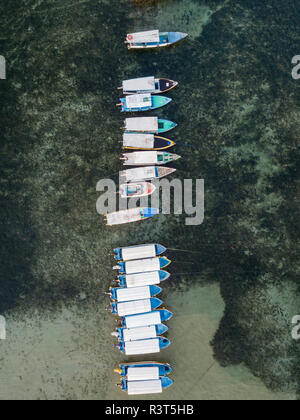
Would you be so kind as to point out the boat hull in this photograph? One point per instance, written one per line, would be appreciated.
(157, 102)
(164, 368)
(165, 85)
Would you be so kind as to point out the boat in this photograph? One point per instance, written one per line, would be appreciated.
(149, 318)
(147, 85)
(153, 39)
(121, 294)
(140, 279)
(145, 142)
(142, 265)
(152, 125)
(148, 158)
(140, 333)
(130, 215)
(136, 252)
(135, 307)
(142, 102)
(155, 386)
(138, 371)
(139, 189)
(149, 346)
(145, 173)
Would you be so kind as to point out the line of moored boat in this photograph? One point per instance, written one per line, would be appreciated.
(141, 329)
(142, 135)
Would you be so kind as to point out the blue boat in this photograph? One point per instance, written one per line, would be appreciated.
(142, 102)
(135, 307)
(140, 333)
(152, 125)
(153, 39)
(155, 386)
(124, 369)
(149, 346)
(121, 294)
(136, 252)
(141, 279)
(149, 318)
(143, 265)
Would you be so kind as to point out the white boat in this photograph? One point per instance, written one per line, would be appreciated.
(135, 307)
(146, 141)
(136, 252)
(125, 294)
(145, 173)
(130, 215)
(148, 125)
(147, 85)
(142, 265)
(153, 39)
(149, 346)
(140, 333)
(149, 318)
(139, 189)
(155, 386)
(140, 279)
(148, 158)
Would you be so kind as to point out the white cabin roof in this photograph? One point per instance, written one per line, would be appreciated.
(134, 307)
(138, 140)
(123, 216)
(133, 280)
(142, 124)
(138, 101)
(140, 333)
(145, 36)
(135, 293)
(138, 252)
(139, 174)
(144, 387)
(140, 158)
(142, 266)
(140, 84)
(143, 373)
(142, 347)
(152, 318)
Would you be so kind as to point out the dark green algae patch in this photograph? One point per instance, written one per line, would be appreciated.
(237, 107)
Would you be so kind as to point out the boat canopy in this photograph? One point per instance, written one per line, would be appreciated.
(139, 101)
(142, 124)
(151, 318)
(135, 307)
(139, 174)
(144, 387)
(141, 158)
(142, 83)
(141, 266)
(138, 252)
(140, 333)
(133, 280)
(144, 37)
(141, 141)
(142, 347)
(135, 293)
(142, 373)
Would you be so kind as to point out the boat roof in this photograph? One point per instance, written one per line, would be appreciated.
(136, 293)
(138, 140)
(141, 124)
(140, 333)
(137, 174)
(144, 387)
(134, 307)
(139, 266)
(138, 101)
(150, 278)
(151, 318)
(140, 158)
(142, 347)
(145, 36)
(141, 83)
(143, 373)
(138, 251)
